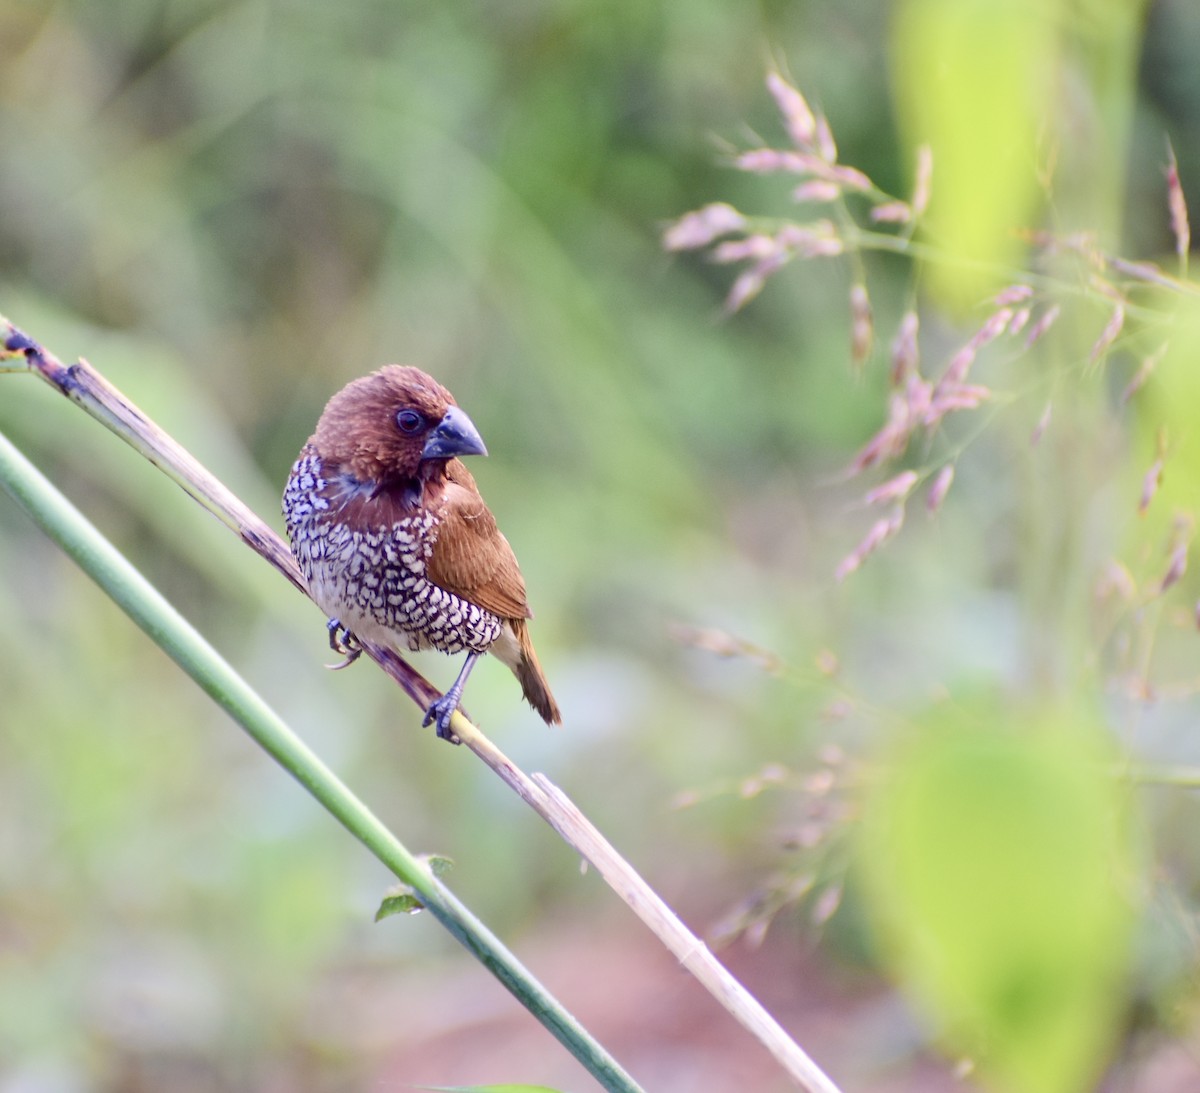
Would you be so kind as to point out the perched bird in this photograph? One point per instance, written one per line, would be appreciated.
(395, 541)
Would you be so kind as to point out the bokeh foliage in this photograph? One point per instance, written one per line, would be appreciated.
(233, 208)
(1005, 883)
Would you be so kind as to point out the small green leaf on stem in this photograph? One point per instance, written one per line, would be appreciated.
(403, 899)
(400, 899)
(439, 864)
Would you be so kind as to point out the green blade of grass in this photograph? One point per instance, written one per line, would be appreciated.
(180, 641)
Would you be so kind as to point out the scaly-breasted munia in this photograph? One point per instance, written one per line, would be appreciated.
(395, 541)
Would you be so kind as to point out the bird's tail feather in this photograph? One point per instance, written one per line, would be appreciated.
(529, 674)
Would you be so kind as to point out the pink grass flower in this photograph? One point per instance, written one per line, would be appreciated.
(878, 534)
(797, 115)
(940, 487)
(749, 283)
(698, 229)
(886, 444)
(825, 248)
(958, 396)
(904, 348)
(917, 405)
(765, 161)
(745, 287)
(1151, 480)
(818, 239)
(892, 212)
(1145, 370)
(850, 177)
(1139, 271)
(1180, 544)
(1109, 334)
(755, 247)
(862, 328)
(1176, 568)
(1044, 322)
(1116, 580)
(959, 366)
(1177, 205)
(1014, 294)
(817, 190)
(826, 146)
(826, 905)
(1019, 320)
(1043, 423)
(924, 181)
(995, 325)
(906, 409)
(894, 489)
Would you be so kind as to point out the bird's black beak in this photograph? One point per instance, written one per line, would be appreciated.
(453, 435)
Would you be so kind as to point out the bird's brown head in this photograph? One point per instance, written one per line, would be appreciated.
(395, 424)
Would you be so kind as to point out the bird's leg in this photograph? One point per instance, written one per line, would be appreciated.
(342, 641)
(443, 708)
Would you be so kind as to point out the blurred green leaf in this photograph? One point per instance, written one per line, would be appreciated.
(999, 862)
(974, 82)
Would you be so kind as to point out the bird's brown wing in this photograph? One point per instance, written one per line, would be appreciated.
(471, 558)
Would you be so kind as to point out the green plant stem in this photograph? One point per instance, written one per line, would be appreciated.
(168, 629)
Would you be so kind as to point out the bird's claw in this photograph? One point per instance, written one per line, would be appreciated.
(440, 711)
(342, 641)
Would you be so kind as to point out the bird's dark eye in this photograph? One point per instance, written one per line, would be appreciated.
(410, 421)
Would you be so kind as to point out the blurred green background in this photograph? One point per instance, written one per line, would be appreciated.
(232, 209)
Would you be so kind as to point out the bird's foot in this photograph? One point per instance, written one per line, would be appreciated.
(440, 712)
(342, 641)
(442, 709)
